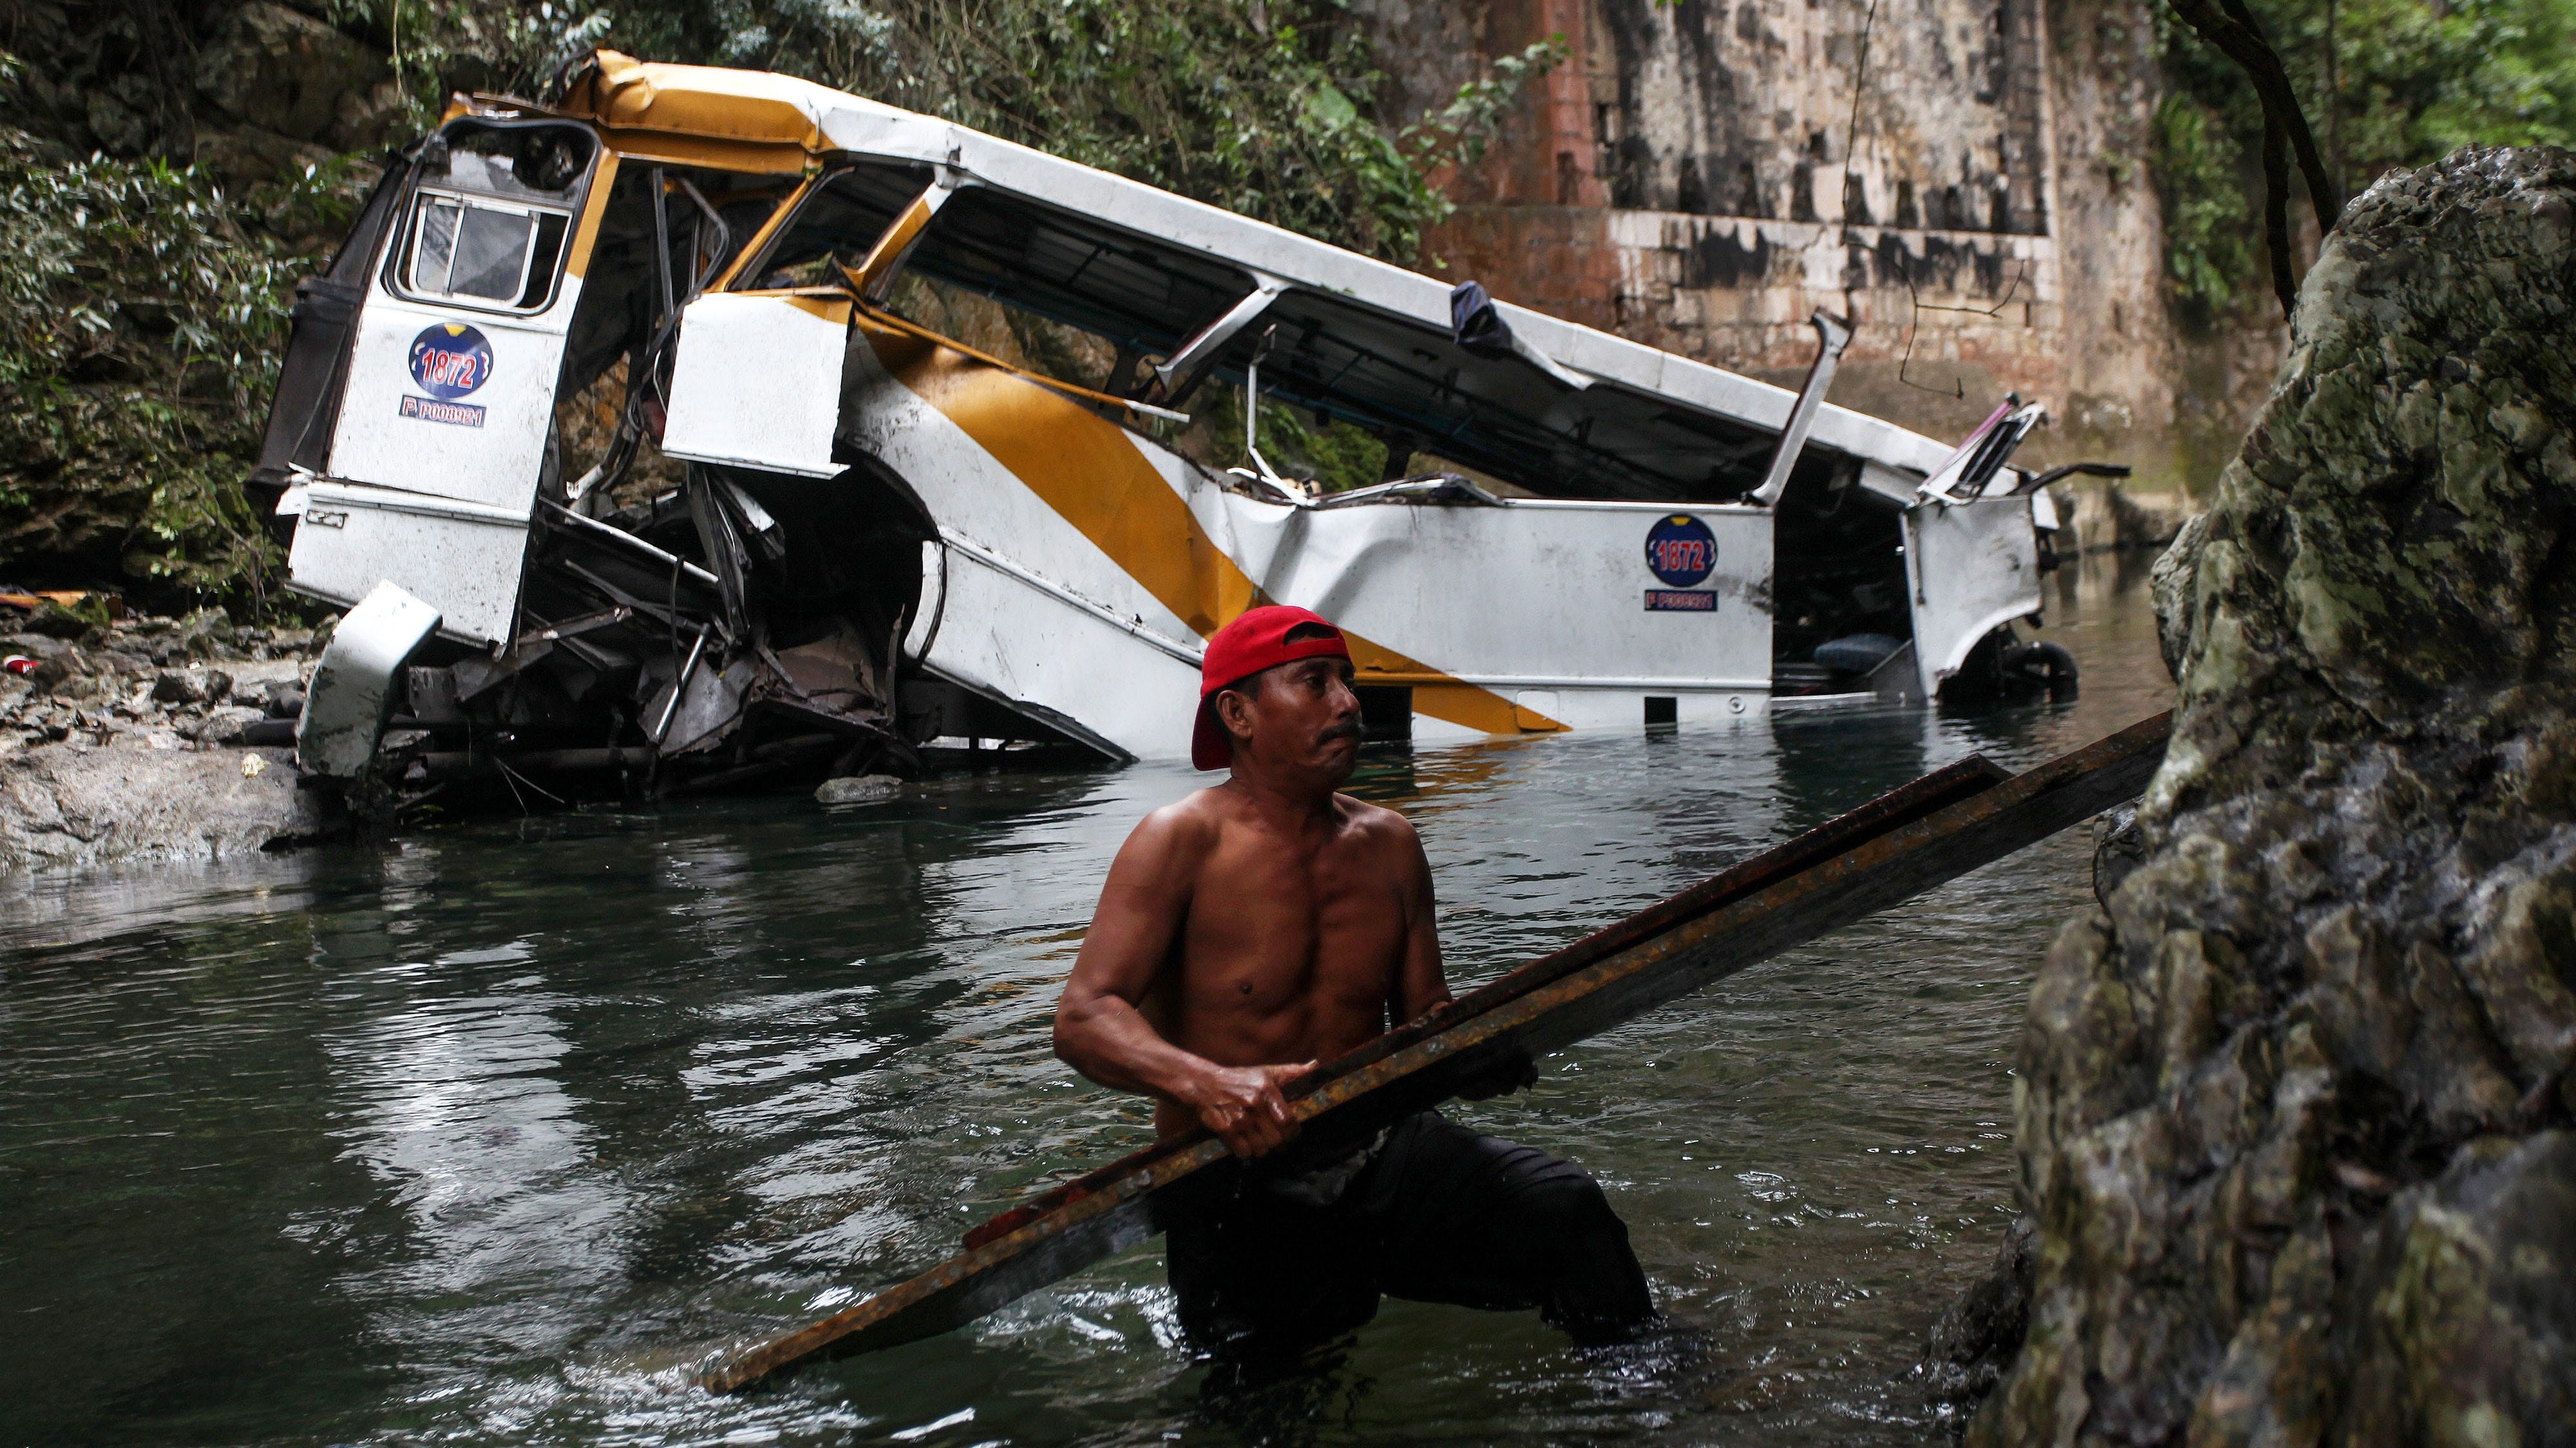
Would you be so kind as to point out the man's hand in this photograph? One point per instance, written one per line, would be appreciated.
(1512, 1073)
(1244, 1107)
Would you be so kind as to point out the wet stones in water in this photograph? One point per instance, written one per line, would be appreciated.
(859, 789)
(2294, 1108)
(1972, 1344)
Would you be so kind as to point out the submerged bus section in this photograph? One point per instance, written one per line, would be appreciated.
(709, 425)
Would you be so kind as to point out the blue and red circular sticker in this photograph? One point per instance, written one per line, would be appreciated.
(1680, 550)
(450, 359)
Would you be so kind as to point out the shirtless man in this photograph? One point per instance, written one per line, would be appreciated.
(1269, 923)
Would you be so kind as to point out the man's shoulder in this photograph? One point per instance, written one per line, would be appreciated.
(1196, 815)
(1373, 821)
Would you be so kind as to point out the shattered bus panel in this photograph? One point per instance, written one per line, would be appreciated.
(732, 426)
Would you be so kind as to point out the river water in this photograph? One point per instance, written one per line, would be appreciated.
(492, 1134)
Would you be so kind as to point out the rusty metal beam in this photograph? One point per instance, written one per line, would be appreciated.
(1900, 806)
(1894, 848)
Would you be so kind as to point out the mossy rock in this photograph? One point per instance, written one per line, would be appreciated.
(2295, 1111)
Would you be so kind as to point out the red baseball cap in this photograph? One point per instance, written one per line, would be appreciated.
(1256, 640)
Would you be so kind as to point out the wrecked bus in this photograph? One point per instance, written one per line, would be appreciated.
(710, 424)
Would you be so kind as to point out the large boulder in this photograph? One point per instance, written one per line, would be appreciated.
(248, 156)
(2294, 1113)
(283, 72)
(67, 805)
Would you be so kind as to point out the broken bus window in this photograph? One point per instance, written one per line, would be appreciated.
(494, 206)
(836, 226)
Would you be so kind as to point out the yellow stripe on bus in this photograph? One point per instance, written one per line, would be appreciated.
(1087, 469)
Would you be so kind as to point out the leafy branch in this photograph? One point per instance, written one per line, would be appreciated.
(2229, 26)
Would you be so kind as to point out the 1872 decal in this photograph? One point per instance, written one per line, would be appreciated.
(1680, 550)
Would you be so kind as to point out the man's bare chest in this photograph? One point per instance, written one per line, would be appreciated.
(1295, 931)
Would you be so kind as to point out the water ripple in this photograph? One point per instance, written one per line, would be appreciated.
(491, 1135)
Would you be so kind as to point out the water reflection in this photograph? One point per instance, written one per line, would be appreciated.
(490, 1135)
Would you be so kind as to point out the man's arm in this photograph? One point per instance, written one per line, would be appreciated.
(1420, 986)
(1100, 1028)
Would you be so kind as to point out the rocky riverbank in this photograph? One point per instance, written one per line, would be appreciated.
(152, 739)
(2294, 1107)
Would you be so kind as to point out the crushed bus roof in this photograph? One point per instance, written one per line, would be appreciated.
(1331, 292)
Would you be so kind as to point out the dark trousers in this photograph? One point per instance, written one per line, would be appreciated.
(1441, 1214)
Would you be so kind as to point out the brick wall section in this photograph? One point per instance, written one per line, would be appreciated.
(1738, 290)
(1986, 201)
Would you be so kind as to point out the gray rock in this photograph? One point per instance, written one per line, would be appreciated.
(79, 688)
(283, 72)
(224, 727)
(248, 155)
(207, 632)
(368, 119)
(859, 789)
(62, 805)
(2293, 1111)
(55, 621)
(173, 687)
(119, 128)
(2169, 584)
(1970, 1346)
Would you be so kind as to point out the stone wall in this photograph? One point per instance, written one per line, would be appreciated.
(1970, 187)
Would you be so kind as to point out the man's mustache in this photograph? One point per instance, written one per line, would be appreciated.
(1350, 730)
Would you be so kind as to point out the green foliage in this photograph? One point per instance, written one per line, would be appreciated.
(1457, 132)
(1343, 456)
(2414, 80)
(436, 46)
(1333, 455)
(2385, 83)
(139, 327)
(1261, 109)
(142, 307)
(2209, 237)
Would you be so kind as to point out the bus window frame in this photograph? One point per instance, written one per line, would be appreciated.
(402, 259)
